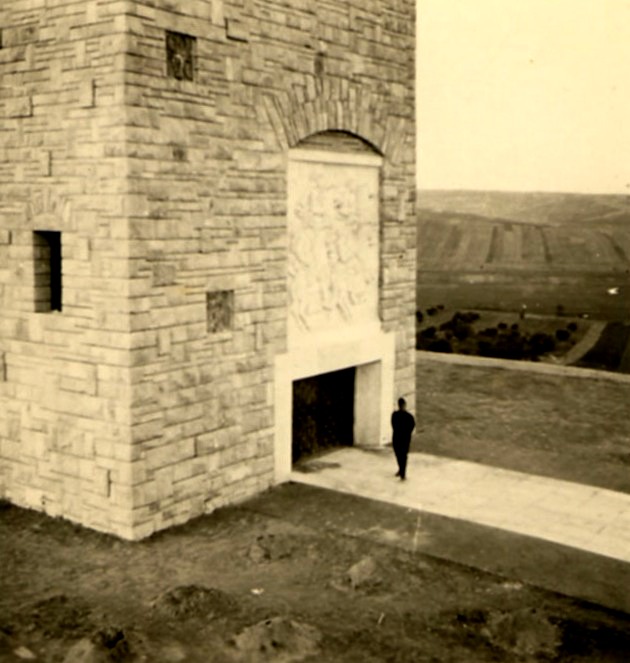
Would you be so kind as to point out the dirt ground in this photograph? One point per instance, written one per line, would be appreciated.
(301, 574)
(298, 574)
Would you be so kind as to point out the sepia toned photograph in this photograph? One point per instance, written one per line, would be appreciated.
(315, 331)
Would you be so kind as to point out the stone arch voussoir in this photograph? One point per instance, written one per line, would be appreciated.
(358, 112)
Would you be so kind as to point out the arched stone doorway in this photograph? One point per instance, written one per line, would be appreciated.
(334, 337)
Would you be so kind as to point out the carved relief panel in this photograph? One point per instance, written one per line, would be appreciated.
(333, 222)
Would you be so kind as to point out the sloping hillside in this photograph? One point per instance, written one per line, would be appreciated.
(500, 250)
(529, 207)
(451, 240)
(475, 230)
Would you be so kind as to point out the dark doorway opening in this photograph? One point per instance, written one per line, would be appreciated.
(323, 412)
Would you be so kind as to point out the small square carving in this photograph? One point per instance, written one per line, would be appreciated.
(220, 310)
(180, 56)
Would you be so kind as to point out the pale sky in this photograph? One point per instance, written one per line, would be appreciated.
(524, 95)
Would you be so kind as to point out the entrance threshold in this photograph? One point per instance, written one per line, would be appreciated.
(371, 355)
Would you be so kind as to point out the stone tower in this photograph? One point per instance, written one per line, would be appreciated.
(202, 203)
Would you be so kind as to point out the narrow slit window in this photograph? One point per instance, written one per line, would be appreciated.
(47, 266)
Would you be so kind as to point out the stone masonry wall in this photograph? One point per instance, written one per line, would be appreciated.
(153, 135)
(208, 135)
(64, 375)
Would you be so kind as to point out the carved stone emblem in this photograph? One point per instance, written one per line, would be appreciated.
(48, 210)
(220, 310)
(180, 54)
(333, 246)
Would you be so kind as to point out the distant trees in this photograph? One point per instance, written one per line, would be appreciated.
(562, 334)
(459, 335)
(440, 345)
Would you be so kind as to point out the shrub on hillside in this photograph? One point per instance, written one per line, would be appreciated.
(490, 332)
(419, 316)
(462, 332)
(562, 335)
(485, 348)
(504, 346)
(541, 343)
(440, 345)
(425, 338)
(466, 317)
(505, 341)
(510, 350)
(458, 326)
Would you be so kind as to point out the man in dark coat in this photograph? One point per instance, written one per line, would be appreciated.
(403, 424)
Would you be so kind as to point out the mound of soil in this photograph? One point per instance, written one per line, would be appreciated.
(277, 640)
(192, 601)
(103, 646)
(522, 634)
(271, 547)
(66, 629)
(59, 616)
(363, 576)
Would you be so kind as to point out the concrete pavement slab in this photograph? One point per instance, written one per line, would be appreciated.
(569, 514)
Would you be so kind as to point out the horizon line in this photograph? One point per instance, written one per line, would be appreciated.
(420, 189)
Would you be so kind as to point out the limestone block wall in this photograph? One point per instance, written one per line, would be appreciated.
(149, 139)
(64, 375)
(217, 94)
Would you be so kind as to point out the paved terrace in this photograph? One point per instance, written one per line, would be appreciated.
(591, 526)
